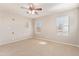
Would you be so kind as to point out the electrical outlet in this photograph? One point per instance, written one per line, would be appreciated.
(13, 38)
(13, 19)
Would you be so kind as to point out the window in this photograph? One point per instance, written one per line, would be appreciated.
(39, 25)
(63, 25)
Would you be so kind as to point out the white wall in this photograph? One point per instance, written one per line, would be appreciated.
(19, 27)
(49, 29)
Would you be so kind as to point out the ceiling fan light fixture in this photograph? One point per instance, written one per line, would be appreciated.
(32, 9)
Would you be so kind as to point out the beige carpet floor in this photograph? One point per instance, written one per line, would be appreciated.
(38, 47)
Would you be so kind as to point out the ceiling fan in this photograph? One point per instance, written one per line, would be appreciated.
(32, 9)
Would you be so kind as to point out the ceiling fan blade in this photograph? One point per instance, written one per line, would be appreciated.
(36, 13)
(23, 8)
(39, 9)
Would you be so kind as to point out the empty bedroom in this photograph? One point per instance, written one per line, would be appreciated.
(39, 29)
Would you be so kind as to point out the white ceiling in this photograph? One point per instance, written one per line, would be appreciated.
(48, 8)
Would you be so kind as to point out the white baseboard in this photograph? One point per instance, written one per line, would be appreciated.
(15, 40)
(42, 38)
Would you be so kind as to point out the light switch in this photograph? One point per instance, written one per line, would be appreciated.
(13, 33)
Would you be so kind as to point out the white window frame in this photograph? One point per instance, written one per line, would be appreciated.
(62, 23)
